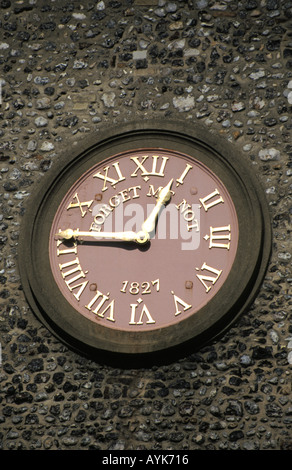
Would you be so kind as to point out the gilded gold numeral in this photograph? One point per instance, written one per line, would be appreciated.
(80, 274)
(144, 312)
(183, 304)
(216, 234)
(66, 251)
(212, 279)
(151, 172)
(81, 286)
(213, 202)
(109, 179)
(97, 309)
(136, 288)
(67, 265)
(79, 204)
(180, 180)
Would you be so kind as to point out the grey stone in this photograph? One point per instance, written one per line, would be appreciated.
(32, 145)
(43, 103)
(138, 55)
(237, 106)
(47, 146)
(41, 121)
(184, 104)
(269, 154)
(108, 99)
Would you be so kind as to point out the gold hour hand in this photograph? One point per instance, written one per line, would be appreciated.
(140, 237)
(164, 197)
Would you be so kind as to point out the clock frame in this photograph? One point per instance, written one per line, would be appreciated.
(251, 239)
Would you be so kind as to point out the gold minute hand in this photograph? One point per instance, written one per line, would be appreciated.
(164, 197)
(140, 237)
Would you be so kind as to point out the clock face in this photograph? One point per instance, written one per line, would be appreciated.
(191, 240)
(151, 239)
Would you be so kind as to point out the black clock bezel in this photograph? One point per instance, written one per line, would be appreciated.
(236, 294)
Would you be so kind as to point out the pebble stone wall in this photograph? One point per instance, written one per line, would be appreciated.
(68, 69)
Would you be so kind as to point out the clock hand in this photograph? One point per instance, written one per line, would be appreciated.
(164, 197)
(140, 237)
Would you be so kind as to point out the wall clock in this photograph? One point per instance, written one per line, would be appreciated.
(148, 239)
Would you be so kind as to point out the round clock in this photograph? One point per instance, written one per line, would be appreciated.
(148, 239)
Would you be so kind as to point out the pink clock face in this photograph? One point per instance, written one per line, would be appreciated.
(110, 278)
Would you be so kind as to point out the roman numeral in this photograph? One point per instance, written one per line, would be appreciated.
(107, 179)
(212, 279)
(97, 309)
(76, 268)
(153, 171)
(81, 286)
(67, 250)
(213, 202)
(180, 180)
(79, 204)
(177, 301)
(144, 311)
(216, 234)
(75, 263)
